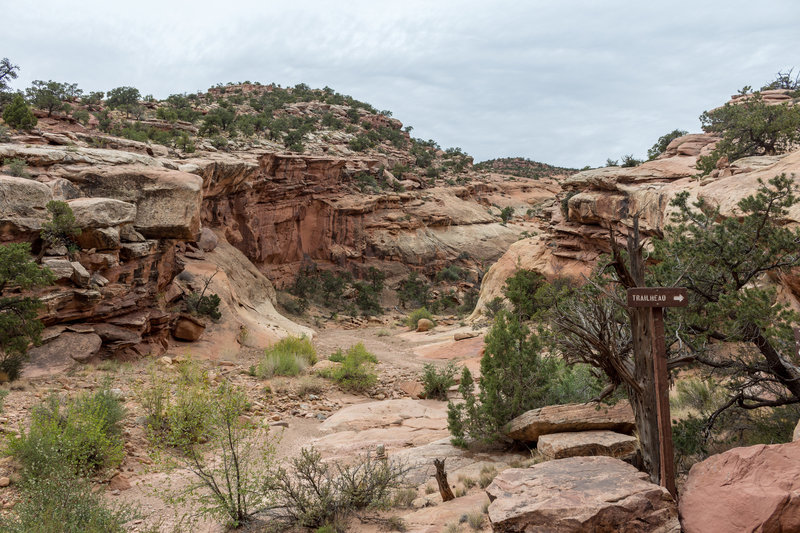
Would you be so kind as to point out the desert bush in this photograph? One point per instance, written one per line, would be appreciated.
(16, 167)
(403, 497)
(475, 520)
(450, 273)
(62, 228)
(486, 476)
(414, 290)
(18, 115)
(63, 503)
(437, 381)
(201, 304)
(506, 213)
(414, 317)
(661, 144)
(356, 372)
(82, 437)
(515, 378)
(314, 494)
(3, 394)
(231, 486)
(493, 306)
(288, 357)
(19, 322)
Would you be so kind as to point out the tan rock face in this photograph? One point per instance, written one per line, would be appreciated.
(167, 201)
(586, 443)
(756, 488)
(22, 207)
(580, 494)
(101, 212)
(530, 426)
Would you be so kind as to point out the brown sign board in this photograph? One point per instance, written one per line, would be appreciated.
(658, 297)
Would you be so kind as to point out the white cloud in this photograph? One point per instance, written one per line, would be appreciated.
(569, 82)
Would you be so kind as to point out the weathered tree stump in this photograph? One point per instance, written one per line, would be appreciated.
(441, 479)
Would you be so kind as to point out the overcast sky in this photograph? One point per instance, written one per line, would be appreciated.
(563, 82)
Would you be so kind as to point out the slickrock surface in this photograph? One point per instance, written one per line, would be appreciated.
(580, 494)
(756, 488)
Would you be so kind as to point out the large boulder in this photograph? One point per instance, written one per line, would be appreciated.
(188, 328)
(529, 426)
(586, 443)
(581, 494)
(167, 201)
(102, 212)
(755, 489)
(23, 207)
(80, 346)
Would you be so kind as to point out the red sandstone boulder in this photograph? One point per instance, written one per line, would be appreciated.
(754, 489)
(586, 443)
(580, 494)
(188, 328)
(423, 324)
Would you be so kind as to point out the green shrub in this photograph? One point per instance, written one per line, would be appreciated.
(83, 437)
(436, 382)
(493, 306)
(506, 213)
(356, 372)
(288, 357)
(515, 378)
(450, 273)
(414, 290)
(18, 115)
(63, 503)
(413, 319)
(19, 323)
(232, 485)
(62, 228)
(3, 394)
(661, 144)
(16, 167)
(81, 115)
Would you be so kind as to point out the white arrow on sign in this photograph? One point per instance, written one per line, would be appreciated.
(678, 298)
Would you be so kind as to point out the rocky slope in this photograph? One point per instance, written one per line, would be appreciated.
(354, 192)
(593, 200)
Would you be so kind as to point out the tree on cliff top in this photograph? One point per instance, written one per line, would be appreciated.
(19, 325)
(18, 115)
(52, 95)
(749, 126)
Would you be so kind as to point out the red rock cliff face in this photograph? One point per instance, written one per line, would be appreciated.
(292, 207)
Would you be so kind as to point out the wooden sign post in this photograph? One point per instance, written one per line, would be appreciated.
(657, 298)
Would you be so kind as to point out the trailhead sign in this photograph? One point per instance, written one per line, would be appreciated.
(657, 298)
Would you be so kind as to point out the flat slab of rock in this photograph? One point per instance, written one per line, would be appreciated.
(528, 427)
(580, 494)
(102, 212)
(755, 488)
(80, 346)
(586, 443)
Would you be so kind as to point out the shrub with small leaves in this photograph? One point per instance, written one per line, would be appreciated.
(437, 381)
(413, 319)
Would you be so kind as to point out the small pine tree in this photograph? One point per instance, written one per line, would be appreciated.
(18, 115)
(62, 228)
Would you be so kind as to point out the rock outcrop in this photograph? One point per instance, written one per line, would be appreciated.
(290, 208)
(580, 494)
(586, 443)
(529, 426)
(756, 489)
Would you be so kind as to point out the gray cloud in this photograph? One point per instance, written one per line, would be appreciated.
(569, 82)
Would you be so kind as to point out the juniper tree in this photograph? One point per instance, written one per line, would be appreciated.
(19, 325)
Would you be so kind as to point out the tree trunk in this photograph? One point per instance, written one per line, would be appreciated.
(441, 479)
(643, 401)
